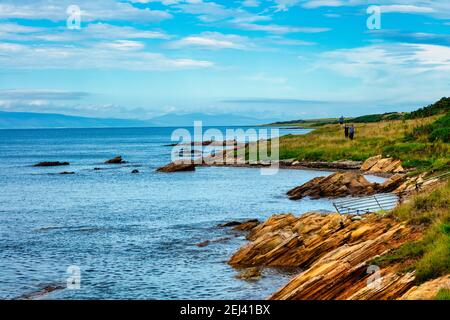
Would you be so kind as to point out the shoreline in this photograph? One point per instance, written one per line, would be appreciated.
(299, 167)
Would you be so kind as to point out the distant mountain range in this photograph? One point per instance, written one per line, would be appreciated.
(28, 120)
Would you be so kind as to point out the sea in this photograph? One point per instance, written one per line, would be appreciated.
(105, 233)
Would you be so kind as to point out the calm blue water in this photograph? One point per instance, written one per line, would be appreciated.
(133, 236)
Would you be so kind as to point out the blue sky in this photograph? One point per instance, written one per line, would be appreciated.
(263, 58)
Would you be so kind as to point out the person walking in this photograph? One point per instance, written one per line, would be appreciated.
(341, 120)
(346, 131)
(351, 132)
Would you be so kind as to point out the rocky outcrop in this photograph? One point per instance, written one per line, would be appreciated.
(339, 184)
(427, 290)
(177, 167)
(41, 292)
(334, 252)
(378, 164)
(51, 164)
(116, 160)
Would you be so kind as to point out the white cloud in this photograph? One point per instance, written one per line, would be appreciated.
(41, 94)
(392, 71)
(405, 9)
(92, 31)
(112, 55)
(55, 10)
(280, 29)
(213, 41)
(322, 3)
(251, 3)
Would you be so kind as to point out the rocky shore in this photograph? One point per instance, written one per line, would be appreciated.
(335, 252)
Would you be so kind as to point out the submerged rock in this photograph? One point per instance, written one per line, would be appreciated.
(51, 164)
(116, 160)
(339, 184)
(208, 242)
(67, 172)
(41, 292)
(251, 274)
(177, 167)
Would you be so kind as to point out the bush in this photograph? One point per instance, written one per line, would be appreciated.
(442, 134)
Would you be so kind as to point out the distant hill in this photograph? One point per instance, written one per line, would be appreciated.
(29, 120)
(181, 120)
(441, 106)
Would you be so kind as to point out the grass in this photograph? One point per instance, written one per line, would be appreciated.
(430, 256)
(328, 143)
(443, 294)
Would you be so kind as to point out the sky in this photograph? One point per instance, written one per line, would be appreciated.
(269, 59)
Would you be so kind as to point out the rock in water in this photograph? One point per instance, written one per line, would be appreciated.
(135, 171)
(177, 167)
(252, 274)
(241, 226)
(67, 172)
(51, 164)
(339, 184)
(116, 160)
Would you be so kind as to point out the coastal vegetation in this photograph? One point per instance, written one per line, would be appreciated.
(419, 142)
(439, 107)
(429, 256)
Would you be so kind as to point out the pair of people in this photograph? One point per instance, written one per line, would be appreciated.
(349, 131)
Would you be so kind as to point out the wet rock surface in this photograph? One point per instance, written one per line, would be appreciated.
(177, 167)
(51, 164)
(246, 225)
(41, 292)
(115, 160)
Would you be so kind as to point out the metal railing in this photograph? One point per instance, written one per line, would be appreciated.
(377, 202)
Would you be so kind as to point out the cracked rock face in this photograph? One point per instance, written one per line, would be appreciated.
(339, 184)
(333, 251)
(378, 164)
